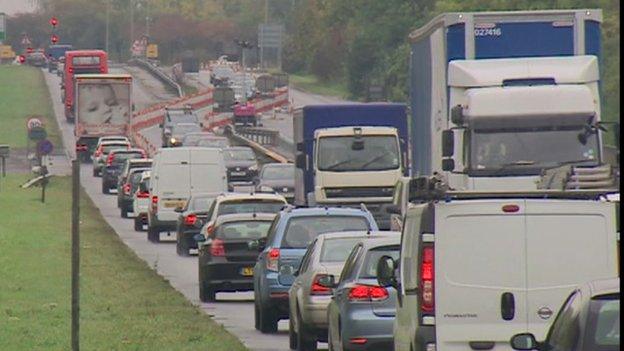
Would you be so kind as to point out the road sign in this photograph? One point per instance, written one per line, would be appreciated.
(152, 51)
(44, 147)
(37, 133)
(270, 35)
(2, 26)
(33, 122)
(6, 52)
(26, 40)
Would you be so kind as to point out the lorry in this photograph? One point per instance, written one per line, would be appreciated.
(79, 62)
(103, 107)
(245, 114)
(349, 155)
(498, 97)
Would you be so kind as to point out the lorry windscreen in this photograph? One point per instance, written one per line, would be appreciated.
(527, 152)
(343, 154)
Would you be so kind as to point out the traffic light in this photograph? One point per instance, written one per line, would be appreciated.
(54, 38)
(53, 21)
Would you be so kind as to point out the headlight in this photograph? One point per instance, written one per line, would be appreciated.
(173, 140)
(253, 168)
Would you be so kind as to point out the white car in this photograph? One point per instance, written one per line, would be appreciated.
(176, 173)
(140, 202)
(477, 268)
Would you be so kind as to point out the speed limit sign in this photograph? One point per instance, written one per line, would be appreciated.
(33, 122)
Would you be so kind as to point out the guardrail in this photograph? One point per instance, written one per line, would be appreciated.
(263, 136)
(232, 133)
(168, 81)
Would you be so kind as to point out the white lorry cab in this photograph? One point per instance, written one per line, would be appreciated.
(477, 268)
(176, 173)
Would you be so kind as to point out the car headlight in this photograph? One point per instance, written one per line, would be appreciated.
(173, 140)
(253, 168)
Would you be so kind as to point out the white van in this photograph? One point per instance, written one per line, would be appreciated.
(476, 270)
(176, 173)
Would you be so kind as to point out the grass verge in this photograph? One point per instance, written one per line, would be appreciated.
(313, 85)
(124, 304)
(23, 93)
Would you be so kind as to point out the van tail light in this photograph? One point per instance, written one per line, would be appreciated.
(70, 69)
(98, 152)
(126, 189)
(154, 203)
(217, 249)
(102, 69)
(317, 289)
(190, 219)
(110, 159)
(142, 194)
(273, 260)
(209, 230)
(427, 279)
(368, 293)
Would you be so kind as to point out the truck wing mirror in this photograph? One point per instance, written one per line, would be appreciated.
(457, 115)
(448, 164)
(448, 143)
(300, 161)
(300, 147)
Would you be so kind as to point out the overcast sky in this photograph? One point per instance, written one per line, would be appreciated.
(12, 7)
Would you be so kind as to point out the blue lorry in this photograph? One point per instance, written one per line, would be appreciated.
(498, 97)
(349, 155)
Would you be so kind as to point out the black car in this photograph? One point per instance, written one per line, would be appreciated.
(122, 196)
(126, 192)
(191, 218)
(278, 178)
(174, 116)
(226, 258)
(114, 164)
(242, 165)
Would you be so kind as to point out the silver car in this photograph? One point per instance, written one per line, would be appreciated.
(311, 292)
(361, 314)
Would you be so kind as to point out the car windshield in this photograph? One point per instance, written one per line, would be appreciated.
(181, 129)
(247, 230)
(136, 178)
(369, 268)
(213, 142)
(253, 206)
(201, 203)
(603, 327)
(180, 117)
(239, 155)
(300, 231)
(337, 249)
(527, 152)
(347, 154)
(278, 172)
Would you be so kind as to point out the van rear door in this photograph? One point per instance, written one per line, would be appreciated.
(480, 277)
(173, 182)
(207, 173)
(568, 243)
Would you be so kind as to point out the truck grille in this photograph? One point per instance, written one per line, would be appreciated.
(333, 193)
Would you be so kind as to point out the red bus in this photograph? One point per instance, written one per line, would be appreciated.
(80, 62)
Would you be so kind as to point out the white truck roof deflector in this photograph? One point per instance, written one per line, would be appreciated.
(492, 72)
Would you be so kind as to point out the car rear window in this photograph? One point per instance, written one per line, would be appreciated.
(250, 230)
(108, 148)
(136, 178)
(121, 157)
(255, 206)
(337, 250)
(300, 231)
(603, 326)
(369, 268)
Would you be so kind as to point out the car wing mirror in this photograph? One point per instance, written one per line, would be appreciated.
(386, 272)
(200, 238)
(328, 281)
(393, 209)
(525, 341)
(179, 209)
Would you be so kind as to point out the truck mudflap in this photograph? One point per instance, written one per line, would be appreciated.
(377, 209)
(85, 147)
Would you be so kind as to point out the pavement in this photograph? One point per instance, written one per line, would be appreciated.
(233, 310)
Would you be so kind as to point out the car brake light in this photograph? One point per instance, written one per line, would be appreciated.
(217, 249)
(109, 160)
(190, 219)
(368, 293)
(143, 194)
(273, 259)
(427, 279)
(154, 203)
(209, 230)
(358, 341)
(317, 288)
(126, 188)
(98, 152)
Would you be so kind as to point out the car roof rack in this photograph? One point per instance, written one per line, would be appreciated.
(436, 188)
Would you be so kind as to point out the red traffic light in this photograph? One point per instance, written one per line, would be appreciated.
(53, 21)
(54, 38)
(22, 59)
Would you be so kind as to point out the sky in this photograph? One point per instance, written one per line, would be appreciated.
(11, 7)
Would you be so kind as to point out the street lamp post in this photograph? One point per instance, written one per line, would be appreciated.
(107, 23)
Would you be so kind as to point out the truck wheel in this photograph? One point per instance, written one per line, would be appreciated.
(292, 335)
(124, 212)
(138, 224)
(306, 340)
(268, 320)
(153, 234)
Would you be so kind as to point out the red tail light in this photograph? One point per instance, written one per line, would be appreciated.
(154, 203)
(102, 69)
(126, 189)
(427, 279)
(273, 259)
(368, 293)
(217, 249)
(143, 154)
(110, 159)
(209, 230)
(190, 219)
(81, 147)
(70, 69)
(22, 59)
(98, 152)
(142, 194)
(317, 289)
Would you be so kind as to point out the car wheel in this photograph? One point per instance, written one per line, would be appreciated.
(181, 248)
(153, 235)
(268, 320)
(306, 340)
(206, 294)
(95, 172)
(256, 314)
(124, 213)
(105, 188)
(138, 224)
(292, 335)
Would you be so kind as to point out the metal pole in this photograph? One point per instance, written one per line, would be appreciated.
(107, 23)
(244, 76)
(75, 258)
(147, 26)
(131, 22)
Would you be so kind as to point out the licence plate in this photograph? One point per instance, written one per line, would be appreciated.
(238, 173)
(247, 271)
(174, 204)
